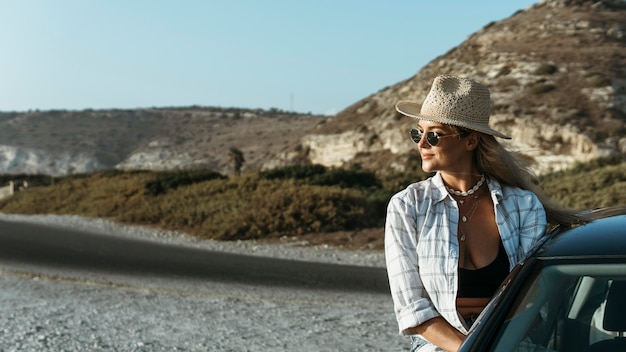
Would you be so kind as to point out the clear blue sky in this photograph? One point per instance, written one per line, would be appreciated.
(315, 56)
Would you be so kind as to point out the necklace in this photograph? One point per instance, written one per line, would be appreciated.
(470, 213)
(471, 191)
(468, 217)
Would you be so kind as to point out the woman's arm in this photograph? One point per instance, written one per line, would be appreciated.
(412, 304)
(415, 311)
(440, 333)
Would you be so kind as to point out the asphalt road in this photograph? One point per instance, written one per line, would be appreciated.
(66, 248)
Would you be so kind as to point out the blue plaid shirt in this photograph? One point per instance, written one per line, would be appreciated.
(422, 250)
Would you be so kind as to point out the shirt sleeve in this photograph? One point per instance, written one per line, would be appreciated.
(533, 224)
(412, 305)
(529, 225)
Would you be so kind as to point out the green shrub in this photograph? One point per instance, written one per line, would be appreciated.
(276, 210)
(293, 201)
(600, 183)
(297, 172)
(318, 175)
(32, 180)
(248, 208)
(170, 180)
(351, 178)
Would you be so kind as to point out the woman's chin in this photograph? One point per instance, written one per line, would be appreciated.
(426, 167)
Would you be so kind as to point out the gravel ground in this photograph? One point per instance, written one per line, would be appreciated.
(45, 309)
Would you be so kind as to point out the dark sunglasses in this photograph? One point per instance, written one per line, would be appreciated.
(431, 137)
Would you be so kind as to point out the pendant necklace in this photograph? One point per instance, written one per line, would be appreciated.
(471, 212)
(468, 217)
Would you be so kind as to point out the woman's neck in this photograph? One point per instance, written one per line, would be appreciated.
(462, 182)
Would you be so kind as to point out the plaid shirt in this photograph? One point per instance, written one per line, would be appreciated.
(422, 250)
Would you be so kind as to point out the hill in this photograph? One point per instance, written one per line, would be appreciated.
(556, 70)
(66, 142)
(557, 74)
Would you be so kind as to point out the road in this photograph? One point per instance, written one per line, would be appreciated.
(75, 290)
(60, 248)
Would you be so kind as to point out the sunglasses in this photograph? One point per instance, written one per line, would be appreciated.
(431, 137)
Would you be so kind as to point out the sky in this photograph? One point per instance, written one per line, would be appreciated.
(308, 56)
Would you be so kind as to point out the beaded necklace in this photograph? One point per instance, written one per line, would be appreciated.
(470, 191)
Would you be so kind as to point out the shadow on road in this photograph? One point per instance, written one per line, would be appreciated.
(67, 248)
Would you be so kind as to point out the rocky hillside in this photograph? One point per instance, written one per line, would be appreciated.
(556, 70)
(557, 73)
(68, 142)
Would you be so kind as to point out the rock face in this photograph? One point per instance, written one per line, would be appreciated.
(70, 142)
(556, 71)
(557, 76)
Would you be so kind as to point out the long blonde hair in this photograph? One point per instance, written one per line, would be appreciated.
(496, 161)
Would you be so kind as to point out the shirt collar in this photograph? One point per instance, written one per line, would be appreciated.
(438, 189)
(495, 189)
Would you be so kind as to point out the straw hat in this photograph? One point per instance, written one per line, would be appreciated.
(454, 101)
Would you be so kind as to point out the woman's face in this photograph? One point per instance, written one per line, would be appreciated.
(449, 155)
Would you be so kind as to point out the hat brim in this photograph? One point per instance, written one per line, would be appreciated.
(413, 110)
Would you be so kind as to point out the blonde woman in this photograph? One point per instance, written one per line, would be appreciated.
(450, 240)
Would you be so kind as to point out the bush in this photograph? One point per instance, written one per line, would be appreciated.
(318, 175)
(32, 180)
(600, 183)
(294, 210)
(297, 172)
(170, 180)
(352, 178)
(298, 200)
(249, 208)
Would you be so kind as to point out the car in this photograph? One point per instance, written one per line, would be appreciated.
(569, 294)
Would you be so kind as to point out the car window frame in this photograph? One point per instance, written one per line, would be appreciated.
(488, 329)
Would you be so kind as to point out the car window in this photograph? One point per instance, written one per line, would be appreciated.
(563, 308)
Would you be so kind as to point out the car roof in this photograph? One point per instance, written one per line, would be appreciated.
(603, 236)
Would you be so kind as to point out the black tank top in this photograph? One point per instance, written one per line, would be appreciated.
(484, 282)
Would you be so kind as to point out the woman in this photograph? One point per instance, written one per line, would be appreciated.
(450, 240)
